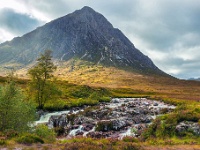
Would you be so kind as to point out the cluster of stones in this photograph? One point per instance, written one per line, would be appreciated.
(188, 126)
(121, 117)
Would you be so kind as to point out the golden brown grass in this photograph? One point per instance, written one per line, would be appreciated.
(85, 73)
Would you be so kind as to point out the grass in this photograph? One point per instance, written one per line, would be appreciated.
(124, 83)
(88, 84)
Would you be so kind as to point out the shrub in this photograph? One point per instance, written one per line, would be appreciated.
(2, 142)
(82, 92)
(15, 112)
(151, 131)
(56, 105)
(104, 99)
(130, 139)
(48, 135)
(29, 139)
(11, 133)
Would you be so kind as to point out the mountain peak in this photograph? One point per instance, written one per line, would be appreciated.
(87, 8)
(89, 16)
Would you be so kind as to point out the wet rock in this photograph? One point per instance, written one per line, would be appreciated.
(144, 110)
(131, 105)
(188, 126)
(136, 119)
(146, 119)
(74, 127)
(99, 135)
(145, 103)
(57, 121)
(135, 112)
(105, 125)
(83, 120)
(40, 113)
(119, 124)
(155, 104)
(139, 129)
(115, 100)
(126, 101)
(88, 127)
(79, 133)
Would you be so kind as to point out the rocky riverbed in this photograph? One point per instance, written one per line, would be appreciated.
(116, 119)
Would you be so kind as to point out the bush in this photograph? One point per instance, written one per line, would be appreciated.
(11, 133)
(2, 142)
(82, 92)
(48, 135)
(80, 102)
(104, 99)
(29, 139)
(15, 112)
(56, 105)
(130, 139)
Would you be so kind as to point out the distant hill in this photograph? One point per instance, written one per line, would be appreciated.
(83, 34)
(194, 79)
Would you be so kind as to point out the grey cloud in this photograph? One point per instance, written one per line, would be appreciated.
(16, 23)
(50, 8)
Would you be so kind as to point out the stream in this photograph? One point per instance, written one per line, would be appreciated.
(119, 118)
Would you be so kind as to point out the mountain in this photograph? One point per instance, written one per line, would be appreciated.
(83, 34)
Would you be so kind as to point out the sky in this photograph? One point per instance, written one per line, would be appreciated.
(167, 31)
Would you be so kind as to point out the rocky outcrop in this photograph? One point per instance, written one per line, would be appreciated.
(58, 121)
(188, 126)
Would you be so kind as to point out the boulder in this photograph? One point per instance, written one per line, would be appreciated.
(119, 124)
(57, 121)
(115, 100)
(188, 126)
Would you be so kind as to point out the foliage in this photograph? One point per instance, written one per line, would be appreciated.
(82, 92)
(2, 141)
(41, 76)
(15, 112)
(29, 139)
(48, 135)
(55, 105)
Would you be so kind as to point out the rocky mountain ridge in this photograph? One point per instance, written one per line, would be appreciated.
(83, 34)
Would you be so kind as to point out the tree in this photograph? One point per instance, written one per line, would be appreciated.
(15, 112)
(41, 76)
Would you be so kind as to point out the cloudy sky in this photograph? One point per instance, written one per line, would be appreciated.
(165, 30)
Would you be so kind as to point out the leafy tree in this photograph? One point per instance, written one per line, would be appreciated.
(42, 74)
(15, 112)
